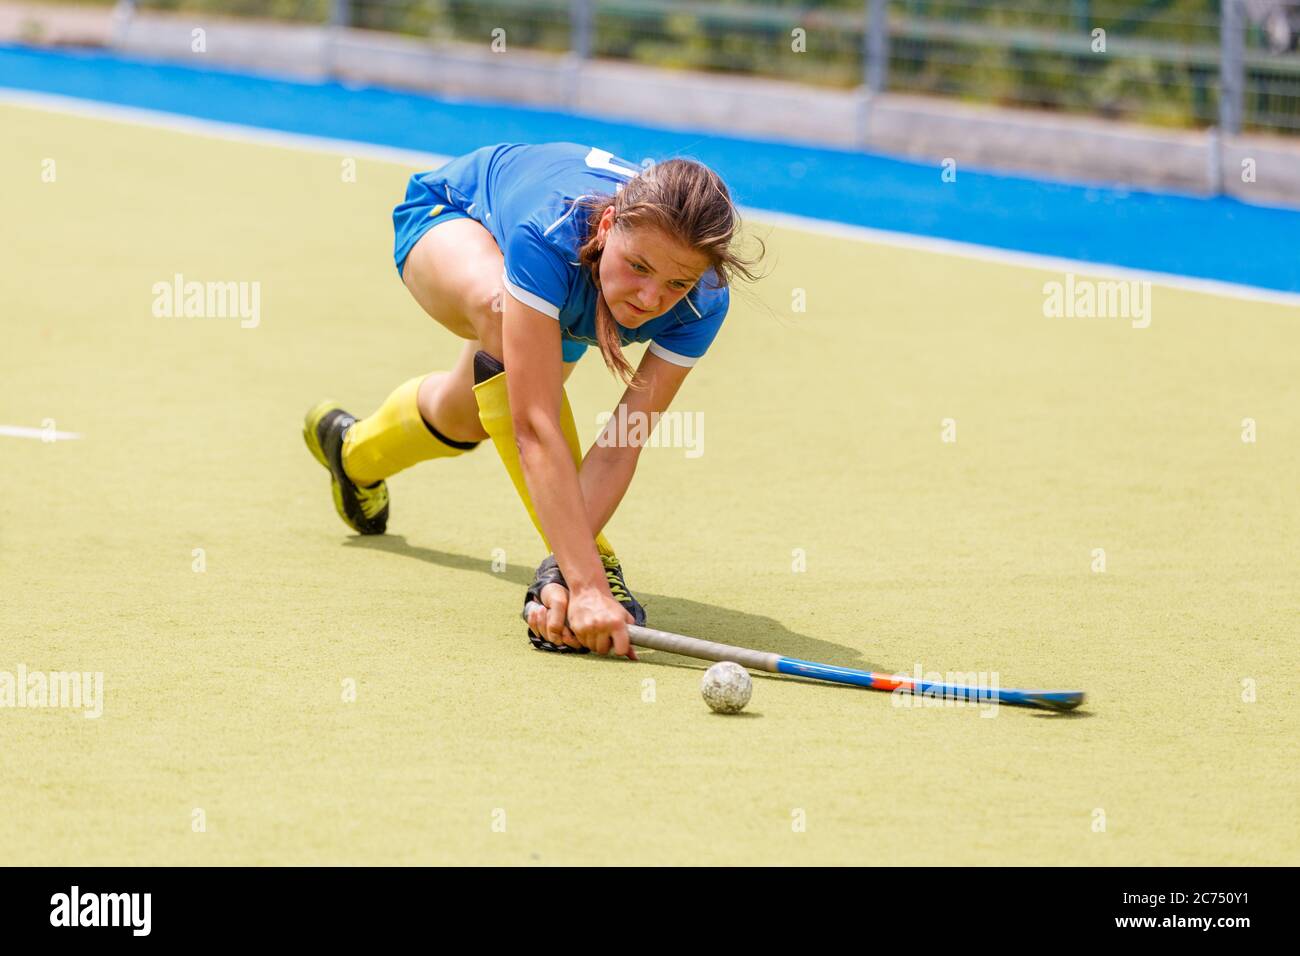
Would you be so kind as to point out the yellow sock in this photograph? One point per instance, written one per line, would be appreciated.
(494, 414)
(393, 438)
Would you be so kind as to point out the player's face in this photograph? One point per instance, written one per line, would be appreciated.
(644, 273)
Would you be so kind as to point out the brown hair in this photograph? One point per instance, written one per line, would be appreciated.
(684, 200)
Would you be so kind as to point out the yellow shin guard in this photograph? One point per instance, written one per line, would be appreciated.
(494, 414)
(394, 438)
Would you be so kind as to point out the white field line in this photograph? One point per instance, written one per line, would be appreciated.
(18, 431)
(405, 157)
(235, 132)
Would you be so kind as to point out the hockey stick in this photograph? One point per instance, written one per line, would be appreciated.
(1060, 700)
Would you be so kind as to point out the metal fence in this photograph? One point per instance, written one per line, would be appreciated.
(1193, 63)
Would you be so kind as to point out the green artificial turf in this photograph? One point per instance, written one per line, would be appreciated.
(224, 689)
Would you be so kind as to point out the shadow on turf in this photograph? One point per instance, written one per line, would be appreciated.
(679, 615)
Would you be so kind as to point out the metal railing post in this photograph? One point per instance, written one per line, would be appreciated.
(875, 63)
(581, 13)
(123, 14)
(580, 16)
(340, 18)
(1232, 66)
(1232, 87)
(876, 46)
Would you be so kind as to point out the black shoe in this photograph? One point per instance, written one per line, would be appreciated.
(363, 509)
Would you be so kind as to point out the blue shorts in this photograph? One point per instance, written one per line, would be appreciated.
(420, 211)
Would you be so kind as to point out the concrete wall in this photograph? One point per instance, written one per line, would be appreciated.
(924, 128)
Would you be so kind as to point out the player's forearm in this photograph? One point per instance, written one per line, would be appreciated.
(558, 499)
(605, 477)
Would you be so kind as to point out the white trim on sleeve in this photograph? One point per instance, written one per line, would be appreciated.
(685, 361)
(531, 299)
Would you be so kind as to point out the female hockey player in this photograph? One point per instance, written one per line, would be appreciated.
(531, 253)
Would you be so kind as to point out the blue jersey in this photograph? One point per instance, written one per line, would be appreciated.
(524, 195)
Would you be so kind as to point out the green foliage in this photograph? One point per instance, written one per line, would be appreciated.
(1160, 64)
(310, 11)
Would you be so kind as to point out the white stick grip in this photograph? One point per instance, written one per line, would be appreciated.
(704, 650)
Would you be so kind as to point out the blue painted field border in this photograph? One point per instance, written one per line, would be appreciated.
(1218, 239)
